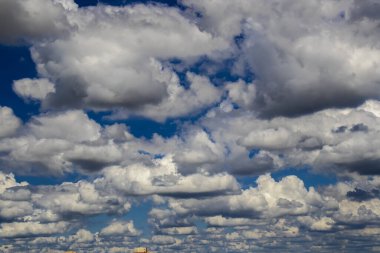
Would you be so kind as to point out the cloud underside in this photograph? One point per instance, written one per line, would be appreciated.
(253, 87)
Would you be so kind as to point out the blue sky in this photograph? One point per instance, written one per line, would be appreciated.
(206, 126)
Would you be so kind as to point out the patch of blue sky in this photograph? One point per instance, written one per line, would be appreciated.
(153, 156)
(239, 39)
(253, 152)
(139, 127)
(219, 72)
(142, 127)
(50, 179)
(16, 63)
(309, 176)
(139, 213)
(305, 173)
(96, 223)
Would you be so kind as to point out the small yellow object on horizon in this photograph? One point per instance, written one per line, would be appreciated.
(140, 250)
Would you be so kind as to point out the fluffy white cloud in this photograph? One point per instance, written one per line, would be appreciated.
(20, 229)
(50, 141)
(163, 178)
(8, 181)
(279, 229)
(33, 88)
(220, 221)
(241, 93)
(125, 228)
(269, 199)
(119, 64)
(179, 230)
(82, 236)
(69, 125)
(8, 121)
(80, 198)
(13, 209)
(331, 138)
(164, 240)
(322, 224)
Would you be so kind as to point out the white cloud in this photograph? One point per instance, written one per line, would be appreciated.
(220, 221)
(164, 240)
(69, 125)
(322, 224)
(120, 62)
(343, 138)
(179, 230)
(269, 199)
(20, 229)
(125, 228)
(163, 178)
(82, 236)
(80, 198)
(8, 121)
(33, 88)
(241, 93)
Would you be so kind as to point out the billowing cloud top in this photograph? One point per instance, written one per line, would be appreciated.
(195, 126)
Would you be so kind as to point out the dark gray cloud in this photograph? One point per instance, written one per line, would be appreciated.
(362, 9)
(301, 56)
(289, 86)
(24, 21)
(363, 195)
(359, 128)
(363, 167)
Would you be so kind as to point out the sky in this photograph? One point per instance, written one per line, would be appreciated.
(189, 126)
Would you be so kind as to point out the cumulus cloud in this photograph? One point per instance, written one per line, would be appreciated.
(164, 240)
(9, 181)
(301, 66)
(20, 229)
(269, 199)
(82, 198)
(179, 230)
(163, 178)
(180, 101)
(120, 228)
(8, 121)
(24, 203)
(69, 125)
(332, 138)
(36, 89)
(120, 64)
(45, 138)
(25, 21)
(82, 236)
